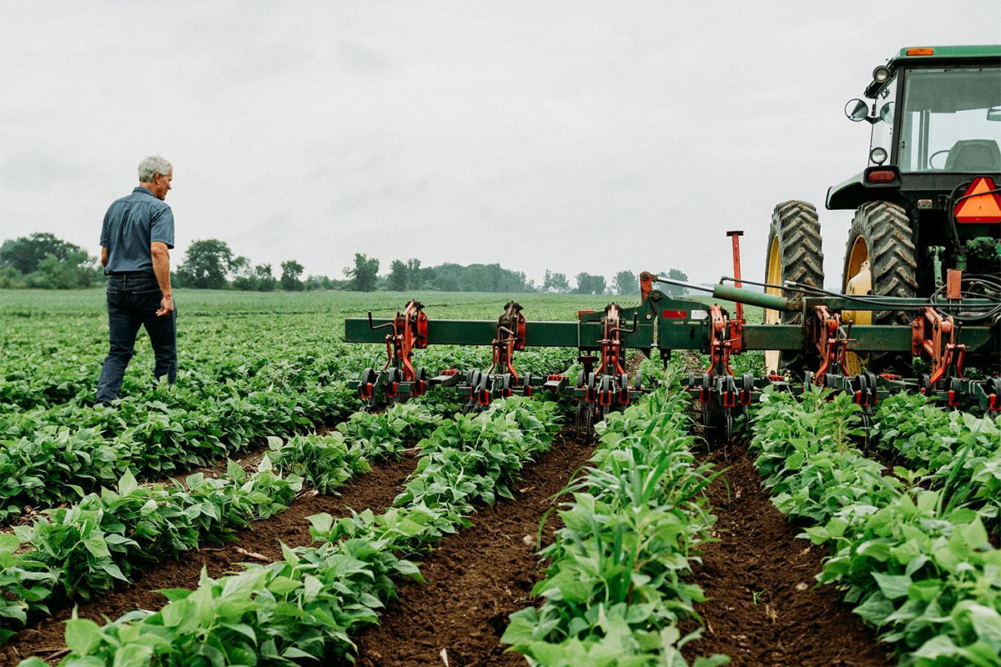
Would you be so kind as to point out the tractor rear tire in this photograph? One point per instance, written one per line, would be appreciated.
(795, 252)
(881, 237)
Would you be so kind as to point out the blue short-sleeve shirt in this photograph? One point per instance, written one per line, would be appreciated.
(131, 224)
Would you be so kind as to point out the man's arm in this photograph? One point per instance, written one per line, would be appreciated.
(161, 267)
(104, 256)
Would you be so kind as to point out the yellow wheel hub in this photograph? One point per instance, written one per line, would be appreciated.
(773, 276)
(858, 281)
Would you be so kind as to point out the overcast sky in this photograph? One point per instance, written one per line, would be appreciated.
(571, 136)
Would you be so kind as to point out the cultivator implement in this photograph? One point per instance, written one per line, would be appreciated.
(601, 382)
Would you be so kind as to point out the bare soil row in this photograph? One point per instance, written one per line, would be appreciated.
(478, 577)
(764, 606)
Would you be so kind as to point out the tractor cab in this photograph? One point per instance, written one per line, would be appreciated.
(927, 203)
(936, 123)
(934, 165)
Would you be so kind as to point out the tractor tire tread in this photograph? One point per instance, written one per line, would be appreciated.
(798, 227)
(893, 257)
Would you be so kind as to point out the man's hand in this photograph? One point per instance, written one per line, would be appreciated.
(166, 306)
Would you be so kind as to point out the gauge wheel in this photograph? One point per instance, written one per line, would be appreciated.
(795, 252)
(880, 260)
(393, 375)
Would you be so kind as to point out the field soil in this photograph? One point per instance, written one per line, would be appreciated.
(764, 607)
(375, 489)
(477, 577)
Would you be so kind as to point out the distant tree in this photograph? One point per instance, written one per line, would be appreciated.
(555, 282)
(239, 266)
(675, 290)
(363, 274)
(291, 270)
(625, 282)
(27, 252)
(264, 279)
(206, 264)
(588, 284)
(74, 270)
(321, 282)
(415, 274)
(399, 277)
(42, 260)
(242, 273)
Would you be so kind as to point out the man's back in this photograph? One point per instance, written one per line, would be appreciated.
(136, 238)
(131, 224)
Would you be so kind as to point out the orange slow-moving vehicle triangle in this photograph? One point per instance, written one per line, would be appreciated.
(983, 206)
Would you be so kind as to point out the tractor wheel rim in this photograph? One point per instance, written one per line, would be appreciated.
(773, 276)
(858, 280)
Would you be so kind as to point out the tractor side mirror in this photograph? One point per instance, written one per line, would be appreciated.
(994, 113)
(856, 110)
(886, 112)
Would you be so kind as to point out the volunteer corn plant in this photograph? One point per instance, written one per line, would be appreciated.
(309, 604)
(917, 566)
(614, 590)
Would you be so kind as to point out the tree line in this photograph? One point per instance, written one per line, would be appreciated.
(44, 261)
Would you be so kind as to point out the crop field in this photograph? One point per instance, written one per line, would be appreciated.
(255, 513)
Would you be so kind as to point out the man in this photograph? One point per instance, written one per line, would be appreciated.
(136, 240)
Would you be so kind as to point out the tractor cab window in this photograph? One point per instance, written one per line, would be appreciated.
(951, 121)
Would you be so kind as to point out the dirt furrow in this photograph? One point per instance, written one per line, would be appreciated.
(375, 489)
(476, 578)
(764, 607)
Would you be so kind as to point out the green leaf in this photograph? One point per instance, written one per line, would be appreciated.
(132, 655)
(892, 586)
(282, 585)
(293, 652)
(937, 647)
(987, 623)
(96, 545)
(234, 471)
(82, 635)
(8, 543)
(321, 522)
(836, 527)
(311, 588)
(127, 484)
(113, 570)
(239, 585)
(244, 630)
(875, 609)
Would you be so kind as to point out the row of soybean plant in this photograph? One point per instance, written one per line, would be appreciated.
(55, 455)
(310, 603)
(73, 553)
(916, 562)
(959, 452)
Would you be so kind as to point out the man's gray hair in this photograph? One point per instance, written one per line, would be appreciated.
(152, 166)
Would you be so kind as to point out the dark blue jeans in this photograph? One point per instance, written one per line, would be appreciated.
(133, 300)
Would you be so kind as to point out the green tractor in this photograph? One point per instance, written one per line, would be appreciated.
(927, 201)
